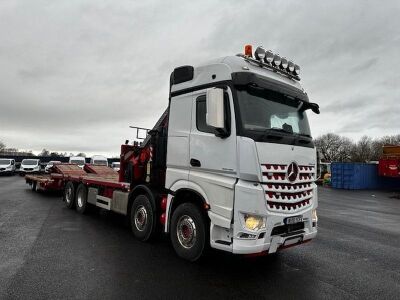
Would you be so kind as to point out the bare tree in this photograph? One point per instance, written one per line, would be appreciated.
(2, 146)
(334, 147)
(363, 150)
(44, 152)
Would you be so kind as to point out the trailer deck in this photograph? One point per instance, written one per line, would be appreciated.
(63, 172)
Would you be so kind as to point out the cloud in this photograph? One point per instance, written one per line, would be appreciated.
(75, 74)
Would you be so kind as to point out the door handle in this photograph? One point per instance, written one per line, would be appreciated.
(195, 162)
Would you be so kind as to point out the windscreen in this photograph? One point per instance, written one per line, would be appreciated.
(29, 162)
(100, 162)
(5, 161)
(78, 162)
(265, 111)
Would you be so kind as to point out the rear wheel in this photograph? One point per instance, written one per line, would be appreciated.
(188, 232)
(34, 186)
(81, 199)
(69, 195)
(142, 218)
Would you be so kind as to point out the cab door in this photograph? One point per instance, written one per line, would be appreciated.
(213, 160)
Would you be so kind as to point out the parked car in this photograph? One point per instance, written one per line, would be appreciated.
(79, 160)
(7, 166)
(50, 164)
(115, 166)
(29, 166)
(99, 160)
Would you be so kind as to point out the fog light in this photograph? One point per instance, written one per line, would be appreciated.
(296, 70)
(260, 53)
(290, 66)
(253, 222)
(284, 63)
(269, 56)
(277, 60)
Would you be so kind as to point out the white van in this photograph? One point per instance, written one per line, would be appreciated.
(99, 160)
(50, 164)
(7, 166)
(115, 166)
(29, 166)
(79, 160)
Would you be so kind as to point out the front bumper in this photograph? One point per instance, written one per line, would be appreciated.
(250, 199)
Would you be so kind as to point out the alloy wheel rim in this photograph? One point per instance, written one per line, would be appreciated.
(141, 218)
(186, 232)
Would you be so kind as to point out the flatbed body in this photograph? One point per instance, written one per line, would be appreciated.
(61, 173)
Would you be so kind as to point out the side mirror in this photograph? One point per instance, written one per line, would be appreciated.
(215, 116)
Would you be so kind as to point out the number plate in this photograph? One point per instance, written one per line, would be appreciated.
(293, 220)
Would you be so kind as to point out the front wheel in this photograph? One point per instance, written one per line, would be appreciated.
(69, 195)
(188, 231)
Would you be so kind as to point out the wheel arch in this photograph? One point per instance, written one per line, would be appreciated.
(191, 193)
(141, 190)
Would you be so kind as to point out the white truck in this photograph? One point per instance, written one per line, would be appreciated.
(7, 166)
(79, 160)
(231, 163)
(99, 160)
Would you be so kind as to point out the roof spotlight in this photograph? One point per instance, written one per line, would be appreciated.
(290, 66)
(296, 70)
(277, 60)
(269, 56)
(284, 63)
(260, 53)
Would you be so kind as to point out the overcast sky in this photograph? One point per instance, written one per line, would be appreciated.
(75, 74)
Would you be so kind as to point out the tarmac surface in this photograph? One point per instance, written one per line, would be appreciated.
(50, 252)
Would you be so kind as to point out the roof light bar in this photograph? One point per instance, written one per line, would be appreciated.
(271, 61)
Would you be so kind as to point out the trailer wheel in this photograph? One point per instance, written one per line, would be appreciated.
(188, 231)
(69, 194)
(142, 218)
(81, 199)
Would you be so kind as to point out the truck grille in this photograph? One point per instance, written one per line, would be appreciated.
(285, 196)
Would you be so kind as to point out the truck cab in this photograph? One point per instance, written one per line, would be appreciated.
(99, 160)
(7, 166)
(29, 166)
(240, 141)
(79, 160)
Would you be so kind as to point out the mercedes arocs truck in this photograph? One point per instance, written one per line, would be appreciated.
(231, 163)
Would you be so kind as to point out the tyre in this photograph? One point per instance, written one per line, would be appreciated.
(142, 218)
(69, 195)
(189, 234)
(34, 186)
(81, 199)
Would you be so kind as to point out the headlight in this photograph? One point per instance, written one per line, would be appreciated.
(8, 168)
(314, 215)
(253, 222)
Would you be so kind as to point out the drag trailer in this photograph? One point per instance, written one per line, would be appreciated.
(60, 173)
(230, 164)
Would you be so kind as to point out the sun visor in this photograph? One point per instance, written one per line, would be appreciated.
(246, 78)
